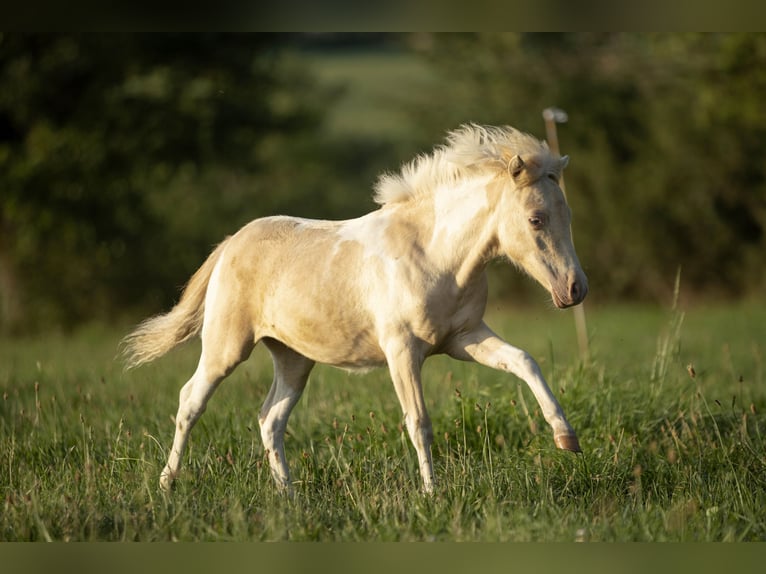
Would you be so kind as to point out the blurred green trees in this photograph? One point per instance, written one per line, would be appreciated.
(124, 158)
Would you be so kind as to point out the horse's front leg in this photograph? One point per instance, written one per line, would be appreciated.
(405, 363)
(485, 347)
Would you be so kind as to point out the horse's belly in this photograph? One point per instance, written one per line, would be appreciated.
(323, 325)
(330, 343)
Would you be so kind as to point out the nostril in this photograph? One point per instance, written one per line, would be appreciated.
(574, 291)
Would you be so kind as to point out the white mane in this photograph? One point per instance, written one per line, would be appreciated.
(471, 149)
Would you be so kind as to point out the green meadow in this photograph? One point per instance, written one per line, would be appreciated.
(669, 408)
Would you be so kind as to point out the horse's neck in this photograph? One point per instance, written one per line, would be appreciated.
(464, 234)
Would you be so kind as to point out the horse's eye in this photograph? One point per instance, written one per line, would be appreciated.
(537, 221)
(553, 178)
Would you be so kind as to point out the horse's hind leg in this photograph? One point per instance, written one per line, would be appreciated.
(291, 371)
(222, 351)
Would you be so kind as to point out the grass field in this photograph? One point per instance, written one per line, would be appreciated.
(667, 456)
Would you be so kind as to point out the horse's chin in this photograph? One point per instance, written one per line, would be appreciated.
(561, 302)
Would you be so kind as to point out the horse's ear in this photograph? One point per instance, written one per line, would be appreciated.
(515, 166)
(564, 161)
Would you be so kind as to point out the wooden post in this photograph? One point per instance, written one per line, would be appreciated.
(553, 116)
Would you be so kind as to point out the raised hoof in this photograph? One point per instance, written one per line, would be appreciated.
(567, 442)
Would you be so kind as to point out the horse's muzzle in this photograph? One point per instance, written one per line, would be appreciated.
(571, 293)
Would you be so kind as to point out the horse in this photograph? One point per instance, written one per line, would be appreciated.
(390, 288)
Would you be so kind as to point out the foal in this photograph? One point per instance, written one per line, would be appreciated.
(389, 288)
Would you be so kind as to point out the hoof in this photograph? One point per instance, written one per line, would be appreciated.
(567, 442)
(166, 481)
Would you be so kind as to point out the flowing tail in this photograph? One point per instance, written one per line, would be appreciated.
(157, 335)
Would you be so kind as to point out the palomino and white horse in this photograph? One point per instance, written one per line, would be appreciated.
(390, 288)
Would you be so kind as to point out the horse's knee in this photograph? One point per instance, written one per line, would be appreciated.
(525, 365)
